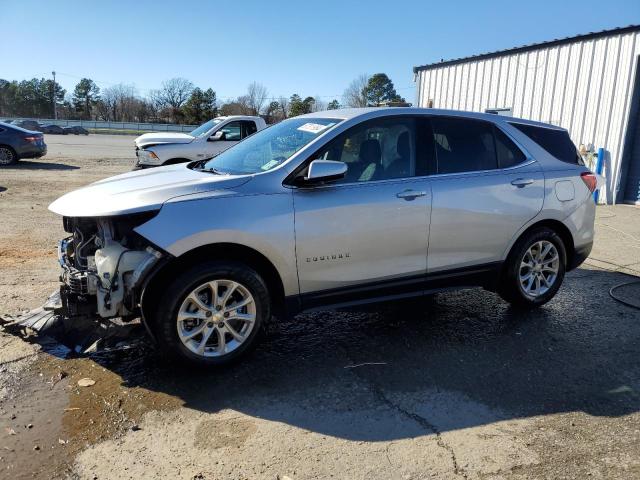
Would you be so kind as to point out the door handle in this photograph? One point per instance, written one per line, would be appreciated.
(522, 182)
(411, 194)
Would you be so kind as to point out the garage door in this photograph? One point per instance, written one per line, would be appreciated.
(632, 188)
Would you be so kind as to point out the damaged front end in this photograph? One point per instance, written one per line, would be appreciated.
(104, 265)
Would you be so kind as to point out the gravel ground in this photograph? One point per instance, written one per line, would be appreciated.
(454, 386)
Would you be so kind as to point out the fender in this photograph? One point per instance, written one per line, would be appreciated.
(187, 223)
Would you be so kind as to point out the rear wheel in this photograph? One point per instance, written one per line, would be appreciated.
(7, 156)
(213, 313)
(535, 269)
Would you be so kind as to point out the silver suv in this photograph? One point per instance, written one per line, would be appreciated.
(330, 209)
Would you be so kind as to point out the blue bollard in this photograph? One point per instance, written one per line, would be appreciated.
(599, 167)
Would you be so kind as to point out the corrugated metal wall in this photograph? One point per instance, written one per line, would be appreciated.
(584, 86)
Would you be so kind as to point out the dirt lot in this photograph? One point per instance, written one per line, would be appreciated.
(456, 386)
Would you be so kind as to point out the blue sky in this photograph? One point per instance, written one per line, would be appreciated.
(305, 47)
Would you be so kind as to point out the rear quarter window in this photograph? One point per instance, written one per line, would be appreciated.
(555, 142)
(509, 155)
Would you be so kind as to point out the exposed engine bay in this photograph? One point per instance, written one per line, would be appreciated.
(104, 263)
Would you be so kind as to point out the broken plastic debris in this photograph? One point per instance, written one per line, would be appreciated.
(86, 382)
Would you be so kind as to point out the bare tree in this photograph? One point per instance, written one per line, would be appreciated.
(144, 110)
(107, 107)
(246, 106)
(256, 96)
(103, 110)
(239, 106)
(172, 95)
(355, 94)
(284, 106)
(118, 103)
(318, 104)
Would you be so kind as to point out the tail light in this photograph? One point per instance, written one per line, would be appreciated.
(32, 139)
(589, 180)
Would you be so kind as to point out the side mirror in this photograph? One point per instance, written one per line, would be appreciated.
(218, 136)
(321, 171)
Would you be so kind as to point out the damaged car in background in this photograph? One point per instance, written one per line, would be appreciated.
(327, 210)
(208, 140)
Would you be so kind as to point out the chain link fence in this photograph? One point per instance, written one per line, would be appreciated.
(132, 127)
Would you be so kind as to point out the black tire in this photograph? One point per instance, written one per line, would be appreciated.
(11, 153)
(510, 288)
(174, 294)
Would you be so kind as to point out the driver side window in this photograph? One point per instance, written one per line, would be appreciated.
(232, 131)
(379, 149)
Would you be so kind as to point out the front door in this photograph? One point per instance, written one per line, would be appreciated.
(232, 135)
(371, 228)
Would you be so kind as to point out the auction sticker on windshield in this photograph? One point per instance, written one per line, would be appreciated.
(314, 127)
(270, 164)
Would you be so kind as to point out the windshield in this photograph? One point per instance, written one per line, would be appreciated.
(205, 127)
(270, 147)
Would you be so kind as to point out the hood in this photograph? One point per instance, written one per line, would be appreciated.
(141, 191)
(162, 137)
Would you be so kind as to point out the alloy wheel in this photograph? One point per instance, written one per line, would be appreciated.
(539, 268)
(216, 318)
(6, 156)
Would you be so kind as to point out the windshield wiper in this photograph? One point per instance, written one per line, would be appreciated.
(199, 166)
(213, 170)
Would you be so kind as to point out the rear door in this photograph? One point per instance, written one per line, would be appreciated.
(484, 190)
(248, 128)
(369, 230)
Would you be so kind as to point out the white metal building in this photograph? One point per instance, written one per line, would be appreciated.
(588, 84)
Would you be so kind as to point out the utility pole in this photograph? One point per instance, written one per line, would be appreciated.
(55, 110)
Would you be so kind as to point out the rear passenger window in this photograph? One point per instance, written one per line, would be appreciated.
(509, 154)
(249, 128)
(556, 142)
(463, 145)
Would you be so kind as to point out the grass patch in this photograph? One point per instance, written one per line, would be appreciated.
(109, 131)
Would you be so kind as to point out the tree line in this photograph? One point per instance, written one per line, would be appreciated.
(177, 100)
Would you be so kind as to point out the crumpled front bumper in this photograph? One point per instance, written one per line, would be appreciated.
(82, 292)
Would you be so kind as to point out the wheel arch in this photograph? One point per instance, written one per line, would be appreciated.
(215, 251)
(557, 226)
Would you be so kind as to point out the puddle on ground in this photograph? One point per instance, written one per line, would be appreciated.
(32, 426)
(62, 414)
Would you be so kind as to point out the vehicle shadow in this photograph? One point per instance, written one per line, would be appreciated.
(456, 360)
(34, 165)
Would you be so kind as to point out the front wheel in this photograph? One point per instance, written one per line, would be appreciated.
(534, 269)
(213, 313)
